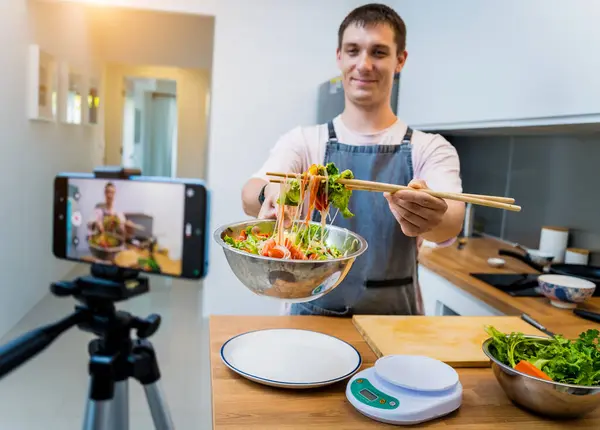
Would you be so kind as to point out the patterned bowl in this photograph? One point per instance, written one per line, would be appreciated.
(566, 291)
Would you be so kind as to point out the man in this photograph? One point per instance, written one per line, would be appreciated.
(107, 218)
(370, 140)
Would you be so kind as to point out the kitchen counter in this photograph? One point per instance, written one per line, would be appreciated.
(455, 265)
(239, 404)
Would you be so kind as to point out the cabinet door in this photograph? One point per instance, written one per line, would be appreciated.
(441, 297)
(474, 61)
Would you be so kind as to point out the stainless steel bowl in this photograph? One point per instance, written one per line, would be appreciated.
(291, 280)
(546, 398)
(106, 254)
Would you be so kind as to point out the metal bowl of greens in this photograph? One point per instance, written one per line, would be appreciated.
(292, 280)
(554, 377)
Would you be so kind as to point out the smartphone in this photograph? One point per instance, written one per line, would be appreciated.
(154, 225)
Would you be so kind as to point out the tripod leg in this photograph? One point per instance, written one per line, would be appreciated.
(98, 415)
(107, 407)
(146, 371)
(158, 407)
(120, 406)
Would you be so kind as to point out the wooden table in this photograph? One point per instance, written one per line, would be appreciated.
(455, 265)
(239, 404)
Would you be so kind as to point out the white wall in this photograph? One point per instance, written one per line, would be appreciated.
(32, 153)
(156, 39)
(264, 82)
(163, 202)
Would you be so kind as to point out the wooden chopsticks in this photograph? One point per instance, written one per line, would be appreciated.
(359, 185)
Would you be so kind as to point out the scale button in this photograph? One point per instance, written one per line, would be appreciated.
(382, 401)
(359, 381)
(392, 403)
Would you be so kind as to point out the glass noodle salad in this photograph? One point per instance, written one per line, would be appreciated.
(320, 190)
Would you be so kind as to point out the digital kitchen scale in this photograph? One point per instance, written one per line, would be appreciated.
(405, 390)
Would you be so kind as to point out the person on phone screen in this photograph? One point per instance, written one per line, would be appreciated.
(107, 218)
(370, 140)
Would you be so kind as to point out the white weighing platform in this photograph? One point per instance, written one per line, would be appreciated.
(405, 390)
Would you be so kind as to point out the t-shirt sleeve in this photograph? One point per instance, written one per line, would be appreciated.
(437, 163)
(286, 156)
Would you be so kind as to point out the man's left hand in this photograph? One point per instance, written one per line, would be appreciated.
(416, 212)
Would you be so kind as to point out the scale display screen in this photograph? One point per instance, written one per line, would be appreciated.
(368, 395)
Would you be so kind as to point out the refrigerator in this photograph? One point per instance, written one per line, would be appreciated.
(331, 98)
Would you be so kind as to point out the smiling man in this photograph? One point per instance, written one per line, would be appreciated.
(370, 140)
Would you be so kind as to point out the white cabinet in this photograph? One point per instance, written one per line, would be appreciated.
(441, 297)
(475, 63)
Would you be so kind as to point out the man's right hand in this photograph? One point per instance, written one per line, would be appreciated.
(270, 207)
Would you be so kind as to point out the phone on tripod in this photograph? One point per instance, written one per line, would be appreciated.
(146, 224)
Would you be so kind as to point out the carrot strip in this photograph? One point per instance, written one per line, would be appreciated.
(526, 367)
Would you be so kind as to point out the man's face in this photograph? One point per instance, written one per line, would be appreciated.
(109, 193)
(368, 60)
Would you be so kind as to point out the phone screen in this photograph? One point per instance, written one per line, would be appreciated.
(152, 225)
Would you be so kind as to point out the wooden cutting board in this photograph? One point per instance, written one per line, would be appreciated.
(455, 340)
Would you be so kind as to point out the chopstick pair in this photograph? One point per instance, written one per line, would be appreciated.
(360, 185)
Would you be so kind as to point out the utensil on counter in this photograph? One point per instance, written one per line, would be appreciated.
(566, 292)
(290, 358)
(591, 273)
(537, 256)
(405, 390)
(359, 185)
(454, 341)
(548, 398)
(536, 324)
(291, 280)
(588, 315)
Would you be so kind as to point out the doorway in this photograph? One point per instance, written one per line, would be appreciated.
(150, 125)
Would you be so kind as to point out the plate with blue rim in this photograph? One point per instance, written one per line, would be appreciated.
(291, 358)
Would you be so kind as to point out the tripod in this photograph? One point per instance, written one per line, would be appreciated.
(114, 355)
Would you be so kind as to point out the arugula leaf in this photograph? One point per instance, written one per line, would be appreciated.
(570, 362)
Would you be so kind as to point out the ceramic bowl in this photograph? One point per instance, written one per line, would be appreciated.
(566, 291)
(540, 257)
(496, 262)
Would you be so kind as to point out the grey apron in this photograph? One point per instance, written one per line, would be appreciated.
(383, 280)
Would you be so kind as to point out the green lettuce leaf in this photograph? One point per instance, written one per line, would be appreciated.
(291, 196)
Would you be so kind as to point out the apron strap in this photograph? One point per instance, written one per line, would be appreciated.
(331, 130)
(408, 136)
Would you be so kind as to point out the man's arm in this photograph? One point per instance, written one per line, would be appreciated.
(250, 193)
(286, 156)
(450, 226)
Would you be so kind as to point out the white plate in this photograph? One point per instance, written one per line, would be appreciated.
(290, 358)
(416, 372)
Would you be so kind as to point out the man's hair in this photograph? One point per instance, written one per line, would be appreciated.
(109, 185)
(375, 14)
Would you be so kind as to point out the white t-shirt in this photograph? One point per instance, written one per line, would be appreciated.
(435, 160)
